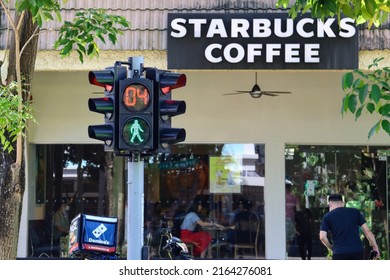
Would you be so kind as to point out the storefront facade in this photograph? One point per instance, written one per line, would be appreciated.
(269, 138)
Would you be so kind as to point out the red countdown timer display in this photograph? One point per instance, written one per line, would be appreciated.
(136, 97)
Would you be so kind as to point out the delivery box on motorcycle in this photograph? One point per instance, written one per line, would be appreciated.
(93, 234)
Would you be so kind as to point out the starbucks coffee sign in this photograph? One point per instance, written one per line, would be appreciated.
(260, 41)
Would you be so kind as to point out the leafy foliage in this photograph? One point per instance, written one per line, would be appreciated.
(41, 10)
(14, 116)
(370, 11)
(88, 26)
(368, 92)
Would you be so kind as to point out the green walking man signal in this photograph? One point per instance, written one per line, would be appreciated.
(135, 132)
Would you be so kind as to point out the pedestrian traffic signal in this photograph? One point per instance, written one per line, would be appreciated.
(107, 105)
(136, 115)
(165, 107)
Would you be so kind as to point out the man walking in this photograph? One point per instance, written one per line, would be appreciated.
(343, 223)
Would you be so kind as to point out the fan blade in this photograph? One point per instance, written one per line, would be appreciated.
(244, 91)
(277, 92)
(268, 93)
(234, 93)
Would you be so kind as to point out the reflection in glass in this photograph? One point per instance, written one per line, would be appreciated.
(358, 172)
(85, 175)
(223, 175)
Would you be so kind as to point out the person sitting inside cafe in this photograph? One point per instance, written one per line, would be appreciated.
(243, 221)
(188, 229)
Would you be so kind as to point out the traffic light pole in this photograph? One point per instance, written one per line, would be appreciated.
(135, 187)
(135, 207)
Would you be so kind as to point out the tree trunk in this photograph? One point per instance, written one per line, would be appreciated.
(10, 201)
(12, 175)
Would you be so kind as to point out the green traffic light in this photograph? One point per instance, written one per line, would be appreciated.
(136, 131)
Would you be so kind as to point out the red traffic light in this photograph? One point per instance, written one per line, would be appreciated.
(169, 81)
(102, 78)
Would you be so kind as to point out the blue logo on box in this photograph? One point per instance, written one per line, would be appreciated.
(101, 233)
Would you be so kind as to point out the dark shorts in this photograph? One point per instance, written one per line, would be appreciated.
(349, 256)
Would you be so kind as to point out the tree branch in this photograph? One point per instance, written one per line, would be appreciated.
(35, 33)
(20, 21)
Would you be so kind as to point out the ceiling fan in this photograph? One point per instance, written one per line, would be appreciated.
(256, 92)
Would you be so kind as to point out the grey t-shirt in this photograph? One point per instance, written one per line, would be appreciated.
(190, 221)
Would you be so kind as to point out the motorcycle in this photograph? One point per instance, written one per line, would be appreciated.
(171, 247)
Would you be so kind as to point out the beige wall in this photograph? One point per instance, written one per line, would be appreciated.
(311, 114)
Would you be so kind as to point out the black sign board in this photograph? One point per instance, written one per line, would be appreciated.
(260, 41)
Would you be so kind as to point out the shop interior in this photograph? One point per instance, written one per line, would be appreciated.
(227, 177)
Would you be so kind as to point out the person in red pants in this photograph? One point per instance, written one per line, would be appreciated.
(188, 233)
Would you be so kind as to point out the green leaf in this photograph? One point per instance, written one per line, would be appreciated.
(344, 105)
(363, 92)
(352, 102)
(370, 7)
(22, 5)
(48, 16)
(357, 9)
(374, 129)
(81, 56)
(329, 6)
(385, 85)
(101, 38)
(378, 72)
(357, 84)
(385, 8)
(370, 107)
(348, 11)
(112, 38)
(81, 48)
(386, 96)
(67, 49)
(360, 73)
(39, 20)
(358, 112)
(386, 126)
(376, 93)
(377, 60)
(386, 69)
(384, 110)
(347, 80)
(91, 49)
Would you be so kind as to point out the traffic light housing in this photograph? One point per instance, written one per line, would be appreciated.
(136, 115)
(166, 108)
(107, 105)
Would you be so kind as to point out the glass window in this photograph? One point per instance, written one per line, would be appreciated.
(70, 180)
(228, 178)
(358, 172)
(229, 181)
